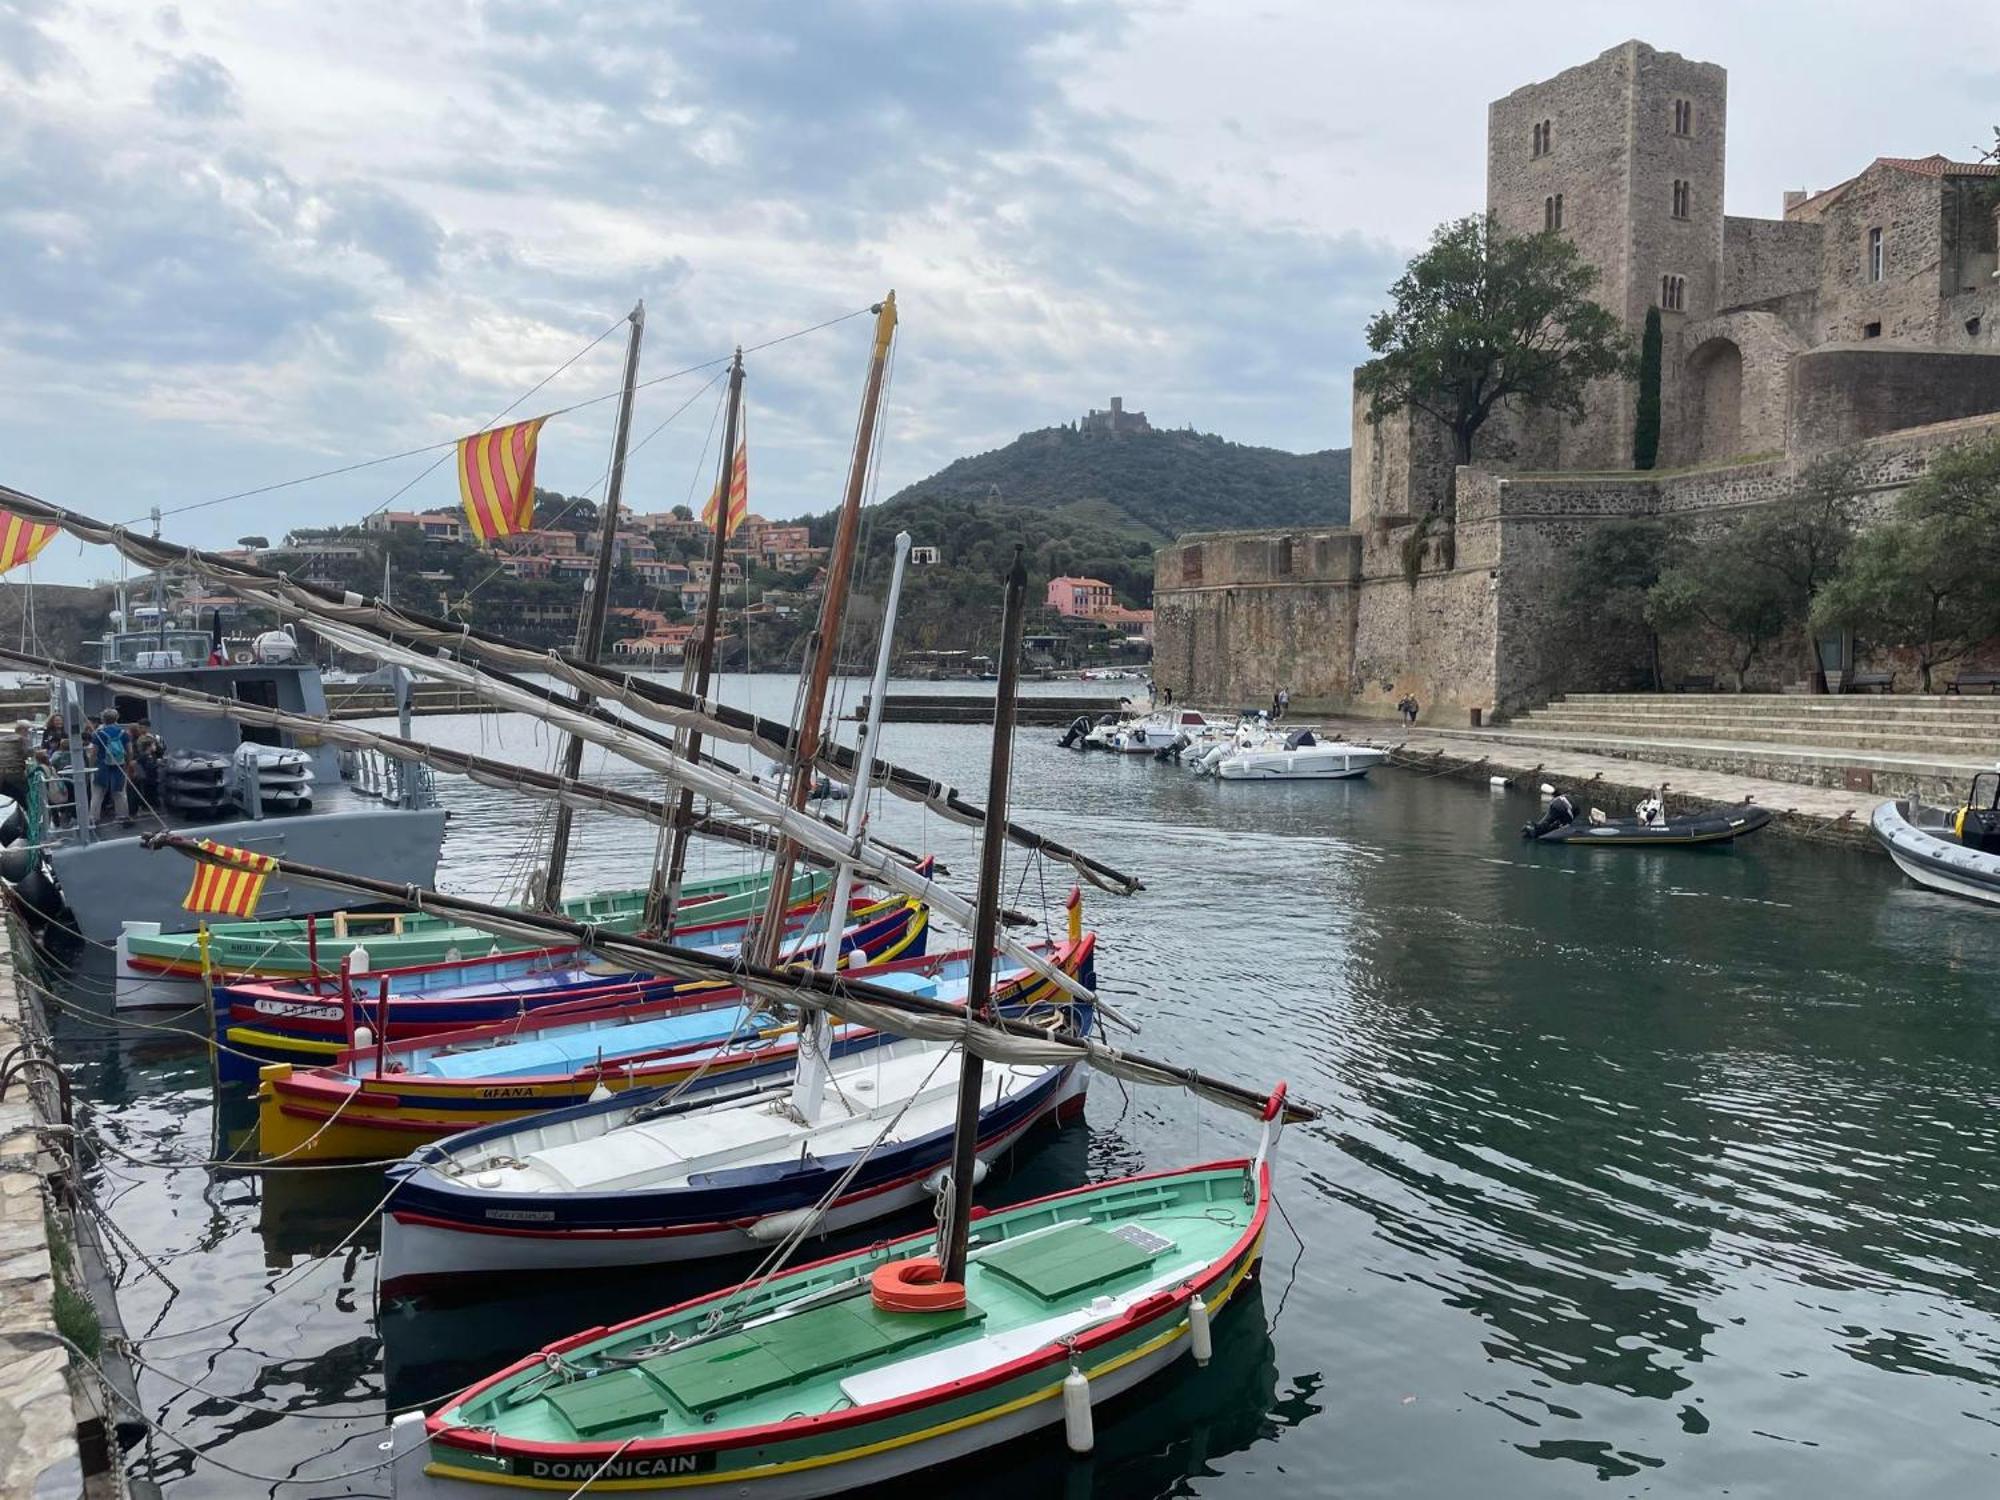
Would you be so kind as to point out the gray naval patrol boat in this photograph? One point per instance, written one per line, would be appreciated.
(267, 790)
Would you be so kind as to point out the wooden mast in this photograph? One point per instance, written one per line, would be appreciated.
(663, 895)
(825, 646)
(590, 619)
(985, 923)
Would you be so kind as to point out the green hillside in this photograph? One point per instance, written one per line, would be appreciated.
(1155, 485)
(1093, 506)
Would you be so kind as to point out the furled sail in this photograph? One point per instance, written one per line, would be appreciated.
(648, 699)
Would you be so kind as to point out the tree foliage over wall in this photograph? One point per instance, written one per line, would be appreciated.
(1482, 317)
(1927, 580)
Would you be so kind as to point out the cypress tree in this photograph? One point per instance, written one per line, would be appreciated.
(1646, 426)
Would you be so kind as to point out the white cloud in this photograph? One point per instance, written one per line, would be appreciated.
(250, 242)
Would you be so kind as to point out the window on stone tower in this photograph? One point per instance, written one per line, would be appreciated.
(1541, 138)
(1875, 257)
(1673, 293)
(1552, 212)
(1681, 197)
(1683, 117)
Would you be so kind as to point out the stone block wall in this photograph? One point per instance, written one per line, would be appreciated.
(1237, 615)
(1614, 152)
(1905, 206)
(1398, 467)
(1846, 392)
(1768, 260)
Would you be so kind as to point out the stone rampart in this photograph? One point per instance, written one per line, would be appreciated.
(1464, 617)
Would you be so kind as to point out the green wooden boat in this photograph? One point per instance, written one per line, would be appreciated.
(157, 967)
(806, 1385)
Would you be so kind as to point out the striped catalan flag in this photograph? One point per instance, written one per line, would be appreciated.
(21, 539)
(739, 492)
(228, 882)
(496, 479)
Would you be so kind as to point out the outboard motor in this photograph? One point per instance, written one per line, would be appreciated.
(1074, 735)
(1173, 751)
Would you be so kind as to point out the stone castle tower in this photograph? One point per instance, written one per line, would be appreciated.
(1624, 155)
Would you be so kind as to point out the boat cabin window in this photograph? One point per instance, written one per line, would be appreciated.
(155, 649)
(1985, 792)
(263, 693)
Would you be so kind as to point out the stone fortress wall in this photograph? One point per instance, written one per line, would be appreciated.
(1868, 315)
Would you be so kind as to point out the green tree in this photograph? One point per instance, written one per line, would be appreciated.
(1601, 597)
(1718, 589)
(1927, 579)
(1483, 317)
(1801, 539)
(681, 513)
(1646, 420)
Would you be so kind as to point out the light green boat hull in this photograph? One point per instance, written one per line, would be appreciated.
(809, 1390)
(281, 948)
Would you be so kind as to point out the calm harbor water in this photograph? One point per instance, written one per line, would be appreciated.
(1642, 1172)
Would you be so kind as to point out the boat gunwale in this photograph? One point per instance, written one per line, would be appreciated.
(487, 1441)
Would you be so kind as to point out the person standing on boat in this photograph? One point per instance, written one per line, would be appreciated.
(1561, 812)
(110, 749)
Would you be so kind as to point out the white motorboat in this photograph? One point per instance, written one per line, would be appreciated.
(1297, 756)
(1161, 730)
(1955, 850)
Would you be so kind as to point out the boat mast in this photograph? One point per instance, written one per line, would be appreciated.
(590, 619)
(825, 644)
(985, 923)
(815, 1050)
(664, 894)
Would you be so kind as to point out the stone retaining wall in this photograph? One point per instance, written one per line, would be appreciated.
(38, 1451)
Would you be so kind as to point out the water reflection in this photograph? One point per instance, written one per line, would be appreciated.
(1667, 1171)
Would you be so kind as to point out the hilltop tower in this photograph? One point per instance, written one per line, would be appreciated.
(1623, 155)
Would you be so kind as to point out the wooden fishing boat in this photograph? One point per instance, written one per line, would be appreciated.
(385, 1100)
(260, 1022)
(839, 1376)
(649, 1177)
(166, 968)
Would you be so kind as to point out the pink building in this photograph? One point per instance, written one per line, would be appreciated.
(1080, 596)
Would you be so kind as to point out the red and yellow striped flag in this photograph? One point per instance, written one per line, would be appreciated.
(228, 881)
(496, 479)
(21, 539)
(739, 492)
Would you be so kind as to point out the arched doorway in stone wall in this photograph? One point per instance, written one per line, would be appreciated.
(1714, 400)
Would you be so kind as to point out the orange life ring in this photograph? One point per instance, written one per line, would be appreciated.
(914, 1286)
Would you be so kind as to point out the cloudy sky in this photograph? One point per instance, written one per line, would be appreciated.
(243, 243)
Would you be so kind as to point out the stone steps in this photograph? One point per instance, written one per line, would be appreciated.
(1952, 742)
(1788, 709)
(1933, 775)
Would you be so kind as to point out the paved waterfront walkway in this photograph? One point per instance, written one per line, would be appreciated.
(38, 1455)
(1827, 814)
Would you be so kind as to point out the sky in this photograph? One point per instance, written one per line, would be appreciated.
(245, 244)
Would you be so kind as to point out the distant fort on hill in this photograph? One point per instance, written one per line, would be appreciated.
(1865, 318)
(1115, 421)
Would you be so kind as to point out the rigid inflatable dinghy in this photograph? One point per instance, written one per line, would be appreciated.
(1715, 827)
(1956, 850)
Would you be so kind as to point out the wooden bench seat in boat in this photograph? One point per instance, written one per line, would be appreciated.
(744, 1365)
(1057, 1265)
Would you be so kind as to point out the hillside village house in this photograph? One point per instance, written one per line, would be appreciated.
(441, 527)
(1073, 597)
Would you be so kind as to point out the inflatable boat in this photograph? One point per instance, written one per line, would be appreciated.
(1715, 827)
(1955, 850)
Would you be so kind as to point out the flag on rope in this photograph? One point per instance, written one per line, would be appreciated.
(21, 539)
(739, 492)
(496, 479)
(228, 881)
